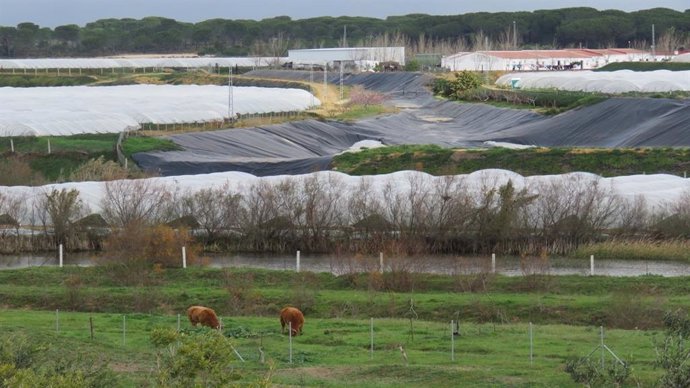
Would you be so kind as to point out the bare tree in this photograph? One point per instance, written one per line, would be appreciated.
(409, 209)
(216, 209)
(451, 208)
(259, 221)
(61, 209)
(574, 209)
(505, 39)
(14, 206)
(672, 40)
(672, 219)
(481, 42)
(320, 196)
(497, 218)
(135, 201)
(634, 216)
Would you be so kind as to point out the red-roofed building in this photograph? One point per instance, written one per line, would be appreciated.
(534, 60)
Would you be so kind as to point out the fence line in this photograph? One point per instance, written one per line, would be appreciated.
(403, 349)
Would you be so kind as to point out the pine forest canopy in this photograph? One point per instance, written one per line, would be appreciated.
(567, 27)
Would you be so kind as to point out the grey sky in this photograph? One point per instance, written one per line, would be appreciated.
(51, 13)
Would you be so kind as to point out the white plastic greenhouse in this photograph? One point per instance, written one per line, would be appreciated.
(656, 190)
(61, 111)
(615, 82)
(137, 63)
(681, 58)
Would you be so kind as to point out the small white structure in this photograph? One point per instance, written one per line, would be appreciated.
(534, 60)
(364, 58)
(682, 58)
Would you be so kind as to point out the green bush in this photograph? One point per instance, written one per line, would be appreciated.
(464, 81)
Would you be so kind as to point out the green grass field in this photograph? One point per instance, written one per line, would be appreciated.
(336, 352)
(494, 312)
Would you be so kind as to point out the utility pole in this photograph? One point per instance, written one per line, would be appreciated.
(345, 35)
(514, 35)
(231, 102)
(653, 44)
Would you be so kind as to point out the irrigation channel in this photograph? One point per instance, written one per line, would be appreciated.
(439, 264)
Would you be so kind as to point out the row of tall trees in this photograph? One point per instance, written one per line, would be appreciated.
(321, 212)
(567, 27)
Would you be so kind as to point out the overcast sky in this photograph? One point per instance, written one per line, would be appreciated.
(52, 13)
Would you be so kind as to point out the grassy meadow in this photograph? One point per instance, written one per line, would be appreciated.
(411, 310)
(335, 352)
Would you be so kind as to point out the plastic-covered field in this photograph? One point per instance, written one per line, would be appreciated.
(681, 58)
(381, 82)
(614, 82)
(61, 111)
(116, 63)
(306, 146)
(655, 189)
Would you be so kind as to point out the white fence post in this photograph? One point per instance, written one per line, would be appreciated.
(60, 255)
(591, 265)
(184, 257)
(493, 263)
(297, 261)
(381, 262)
(57, 320)
(48, 146)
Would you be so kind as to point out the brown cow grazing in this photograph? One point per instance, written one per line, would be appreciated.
(294, 317)
(203, 315)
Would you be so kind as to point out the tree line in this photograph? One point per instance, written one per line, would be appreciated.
(559, 28)
(313, 214)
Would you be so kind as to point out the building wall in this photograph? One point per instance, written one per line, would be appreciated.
(356, 54)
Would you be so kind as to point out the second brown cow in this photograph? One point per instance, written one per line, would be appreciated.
(290, 316)
(203, 315)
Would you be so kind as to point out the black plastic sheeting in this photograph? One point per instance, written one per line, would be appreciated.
(308, 146)
(617, 122)
(381, 82)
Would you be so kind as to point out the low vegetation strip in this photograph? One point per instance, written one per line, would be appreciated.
(481, 297)
(645, 66)
(25, 81)
(436, 160)
(468, 86)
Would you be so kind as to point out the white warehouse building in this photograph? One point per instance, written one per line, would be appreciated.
(534, 60)
(363, 58)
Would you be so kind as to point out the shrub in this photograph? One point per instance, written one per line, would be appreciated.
(202, 359)
(466, 80)
(674, 352)
(135, 250)
(98, 170)
(590, 373)
(361, 96)
(15, 171)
